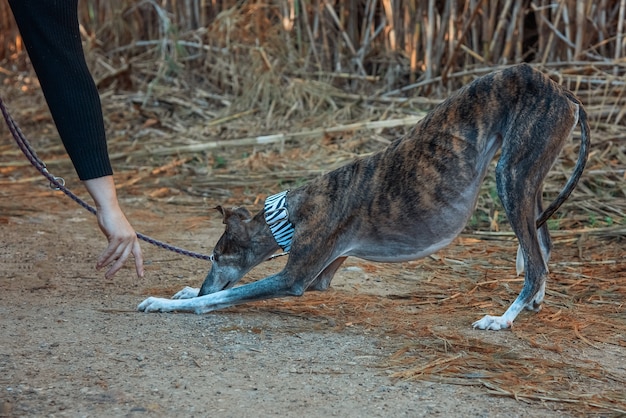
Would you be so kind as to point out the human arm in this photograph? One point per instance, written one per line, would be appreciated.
(51, 35)
(50, 32)
(120, 234)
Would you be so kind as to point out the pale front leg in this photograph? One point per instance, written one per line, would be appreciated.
(270, 287)
(153, 304)
(187, 293)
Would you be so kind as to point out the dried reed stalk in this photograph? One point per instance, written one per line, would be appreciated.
(271, 139)
(400, 40)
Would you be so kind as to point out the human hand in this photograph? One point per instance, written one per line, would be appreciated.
(122, 242)
(120, 234)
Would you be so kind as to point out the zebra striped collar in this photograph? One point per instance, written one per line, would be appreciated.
(277, 218)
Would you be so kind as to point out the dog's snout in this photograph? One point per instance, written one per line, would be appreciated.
(211, 286)
(219, 278)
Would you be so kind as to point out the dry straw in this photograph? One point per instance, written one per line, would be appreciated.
(569, 354)
(255, 50)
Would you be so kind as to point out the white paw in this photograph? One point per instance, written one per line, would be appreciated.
(153, 304)
(494, 323)
(187, 293)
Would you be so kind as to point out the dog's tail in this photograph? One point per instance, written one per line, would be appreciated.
(583, 154)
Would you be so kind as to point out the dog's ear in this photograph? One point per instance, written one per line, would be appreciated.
(235, 221)
(241, 212)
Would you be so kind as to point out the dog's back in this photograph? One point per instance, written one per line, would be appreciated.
(435, 170)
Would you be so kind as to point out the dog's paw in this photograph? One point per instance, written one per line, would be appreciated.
(494, 323)
(187, 293)
(153, 304)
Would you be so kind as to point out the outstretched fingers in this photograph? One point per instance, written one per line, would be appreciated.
(116, 254)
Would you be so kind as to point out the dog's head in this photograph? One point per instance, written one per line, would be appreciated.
(246, 242)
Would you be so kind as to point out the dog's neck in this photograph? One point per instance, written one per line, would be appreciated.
(277, 218)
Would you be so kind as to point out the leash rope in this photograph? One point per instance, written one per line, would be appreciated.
(58, 183)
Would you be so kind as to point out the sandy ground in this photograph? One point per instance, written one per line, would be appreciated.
(72, 343)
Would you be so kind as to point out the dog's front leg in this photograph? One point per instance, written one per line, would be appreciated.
(187, 293)
(270, 287)
(322, 281)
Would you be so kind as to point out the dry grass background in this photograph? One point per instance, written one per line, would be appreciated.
(233, 100)
(275, 86)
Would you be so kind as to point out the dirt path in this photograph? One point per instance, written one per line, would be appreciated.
(72, 343)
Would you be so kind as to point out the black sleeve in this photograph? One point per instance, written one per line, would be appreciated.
(50, 32)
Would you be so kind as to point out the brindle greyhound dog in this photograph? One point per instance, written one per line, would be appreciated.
(410, 199)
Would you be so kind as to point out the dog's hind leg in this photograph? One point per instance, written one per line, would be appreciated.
(544, 241)
(519, 187)
(544, 234)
